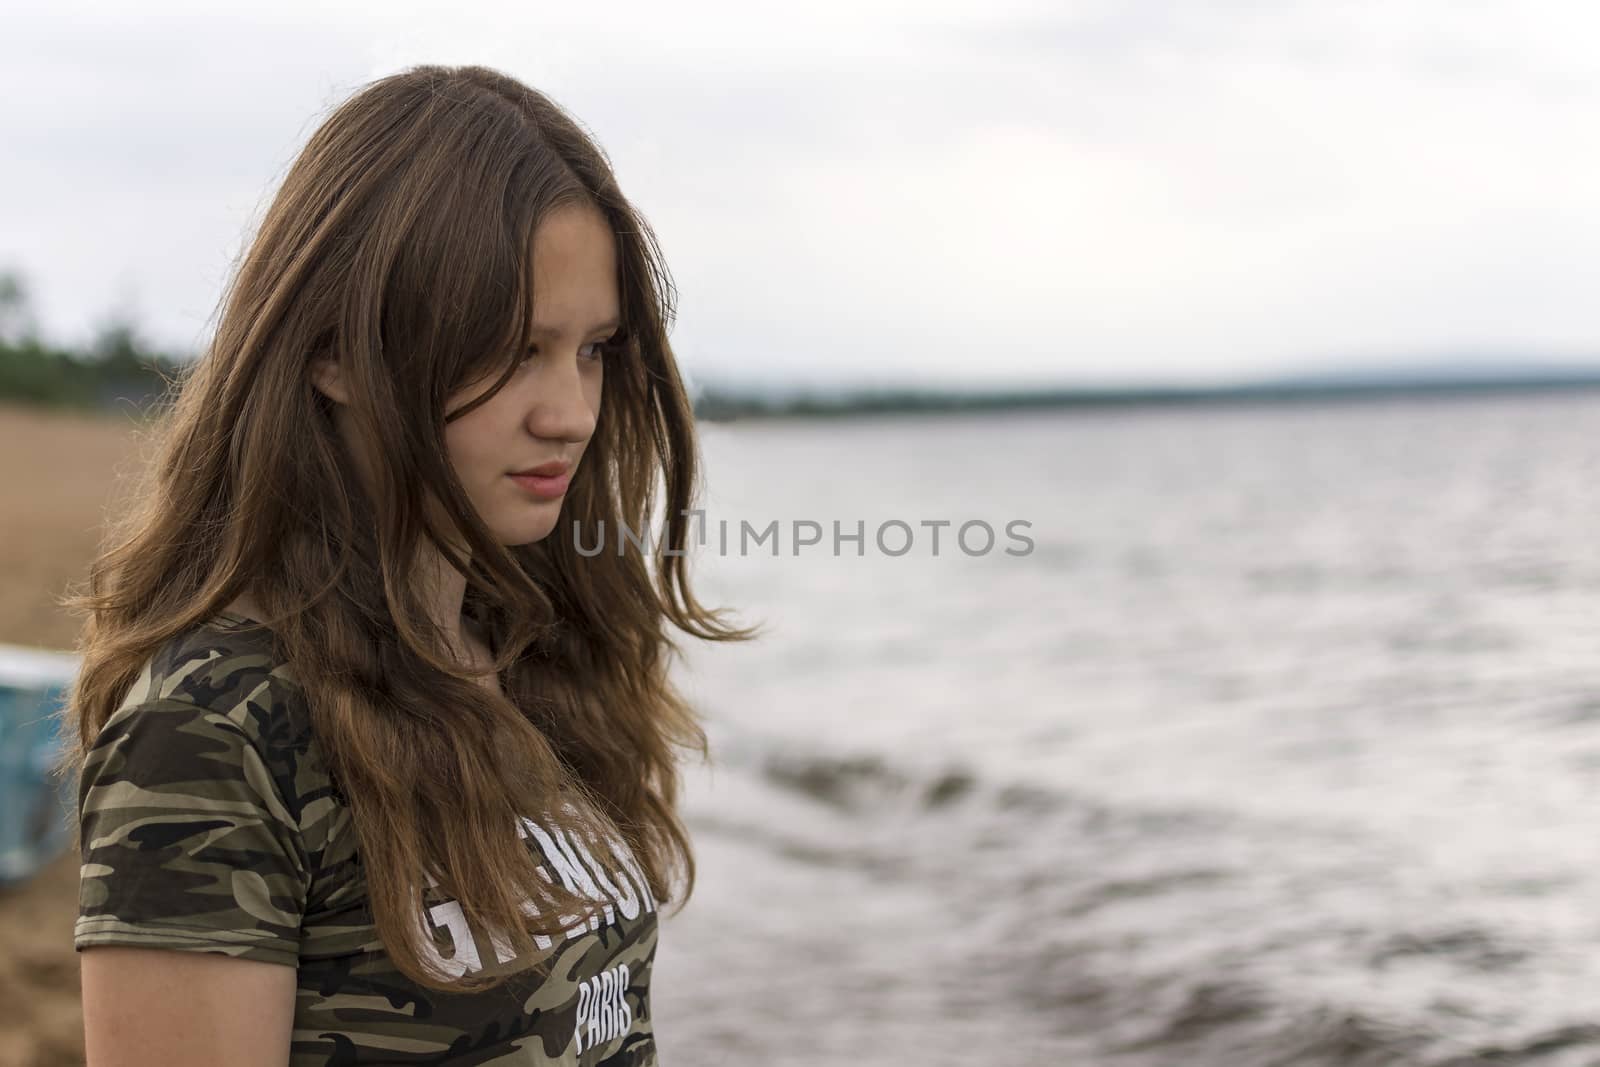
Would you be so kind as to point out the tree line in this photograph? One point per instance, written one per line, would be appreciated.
(116, 367)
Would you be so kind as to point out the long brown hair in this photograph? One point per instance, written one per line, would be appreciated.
(398, 244)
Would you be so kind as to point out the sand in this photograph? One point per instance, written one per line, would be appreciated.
(60, 474)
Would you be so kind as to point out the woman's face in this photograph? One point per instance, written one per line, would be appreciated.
(545, 414)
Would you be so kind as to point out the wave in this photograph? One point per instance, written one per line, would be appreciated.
(1470, 947)
(856, 783)
(864, 784)
(1159, 934)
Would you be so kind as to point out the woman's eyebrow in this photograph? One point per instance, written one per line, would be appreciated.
(551, 331)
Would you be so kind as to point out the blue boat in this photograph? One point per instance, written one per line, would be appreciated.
(36, 808)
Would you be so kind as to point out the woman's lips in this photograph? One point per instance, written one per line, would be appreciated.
(545, 487)
(547, 470)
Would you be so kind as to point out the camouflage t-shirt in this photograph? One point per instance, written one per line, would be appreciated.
(209, 824)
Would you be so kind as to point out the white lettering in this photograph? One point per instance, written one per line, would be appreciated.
(605, 1016)
(604, 1013)
(540, 941)
(572, 874)
(604, 879)
(567, 849)
(627, 896)
(450, 916)
(582, 874)
(626, 1009)
(631, 865)
(585, 999)
(572, 932)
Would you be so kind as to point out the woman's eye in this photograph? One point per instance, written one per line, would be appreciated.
(593, 352)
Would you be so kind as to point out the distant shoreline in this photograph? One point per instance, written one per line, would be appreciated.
(134, 383)
(726, 405)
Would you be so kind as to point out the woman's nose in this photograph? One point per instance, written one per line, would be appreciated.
(565, 401)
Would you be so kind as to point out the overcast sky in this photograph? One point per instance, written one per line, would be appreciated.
(1185, 191)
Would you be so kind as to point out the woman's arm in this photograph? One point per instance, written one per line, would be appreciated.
(152, 1007)
(189, 840)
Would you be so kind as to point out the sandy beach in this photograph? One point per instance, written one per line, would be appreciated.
(60, 471)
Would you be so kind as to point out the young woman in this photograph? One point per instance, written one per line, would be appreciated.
(373, 764)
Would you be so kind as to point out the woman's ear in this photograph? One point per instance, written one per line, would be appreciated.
(328, 379)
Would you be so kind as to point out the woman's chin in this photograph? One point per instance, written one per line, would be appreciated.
(528, 531)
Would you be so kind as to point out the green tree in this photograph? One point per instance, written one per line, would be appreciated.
(16, 318)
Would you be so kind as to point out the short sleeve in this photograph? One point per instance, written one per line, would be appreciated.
(187, 841)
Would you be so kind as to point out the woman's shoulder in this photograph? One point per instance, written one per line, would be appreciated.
(213, 704)
(226, 669)
(198, 825)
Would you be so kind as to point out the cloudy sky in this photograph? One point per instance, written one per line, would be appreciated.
(878, 191)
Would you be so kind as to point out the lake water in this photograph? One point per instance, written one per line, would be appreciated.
(1281, 746)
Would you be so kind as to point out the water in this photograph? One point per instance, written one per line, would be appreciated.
(1280, 747)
